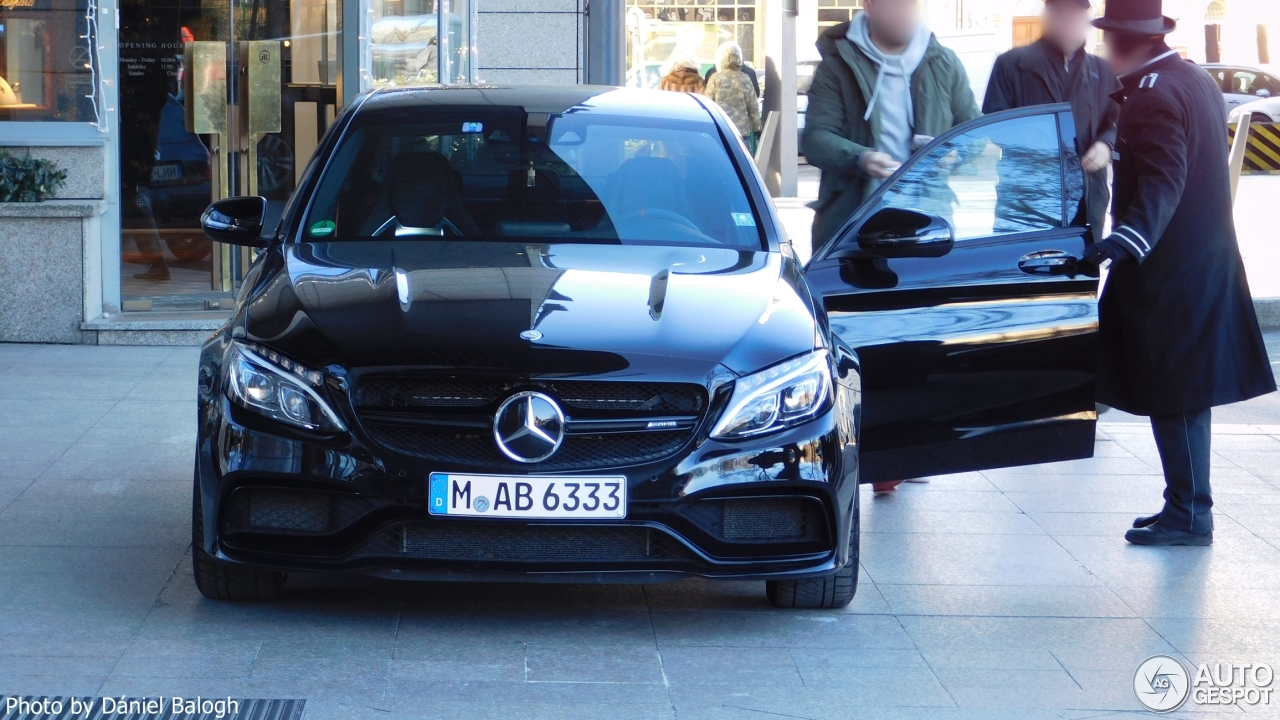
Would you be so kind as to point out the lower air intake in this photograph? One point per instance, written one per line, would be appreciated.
(762, 520)
(508, 542)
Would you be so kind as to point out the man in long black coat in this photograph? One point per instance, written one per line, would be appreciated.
(1176, 320)
(1054, 69)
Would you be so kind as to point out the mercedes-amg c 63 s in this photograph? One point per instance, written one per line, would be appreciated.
(558, 334)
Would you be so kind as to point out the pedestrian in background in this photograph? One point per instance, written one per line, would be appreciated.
(1057, 68)
(683, 76)
(1176, 323)
(746, 68)
(732, 90)
(885, 86)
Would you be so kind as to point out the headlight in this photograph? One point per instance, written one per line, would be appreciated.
(268, 384)
(776, 397)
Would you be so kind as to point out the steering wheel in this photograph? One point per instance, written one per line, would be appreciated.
(394, 227)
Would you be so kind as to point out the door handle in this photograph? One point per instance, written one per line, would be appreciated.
(1048, 262)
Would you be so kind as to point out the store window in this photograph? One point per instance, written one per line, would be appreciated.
(407, 45)
(46, 60)
(660, 31)
(834, 12)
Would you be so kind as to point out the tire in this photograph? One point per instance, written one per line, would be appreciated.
(1259, 118)
(835, 590)
(218, 581)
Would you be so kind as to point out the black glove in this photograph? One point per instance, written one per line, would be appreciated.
(1108, 249)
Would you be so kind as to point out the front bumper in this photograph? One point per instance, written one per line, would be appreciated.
(280, 500)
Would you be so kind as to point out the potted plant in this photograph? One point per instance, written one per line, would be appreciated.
(28, 179)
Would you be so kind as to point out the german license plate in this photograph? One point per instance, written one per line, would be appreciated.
(542, 497)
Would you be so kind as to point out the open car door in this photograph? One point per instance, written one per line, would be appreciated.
(959, 283)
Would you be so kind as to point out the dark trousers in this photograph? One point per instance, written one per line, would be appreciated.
(1183, 441)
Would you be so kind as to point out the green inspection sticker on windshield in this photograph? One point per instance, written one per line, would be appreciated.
(324, 227)
(744, 219)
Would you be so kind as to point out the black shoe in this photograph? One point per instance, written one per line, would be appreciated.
(1146, 520)
(1161, 535)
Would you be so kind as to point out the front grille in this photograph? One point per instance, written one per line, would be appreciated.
(446, 418)
(577, 453)
(515, 543)
(292, 512)
(761, 520)
(384, 391)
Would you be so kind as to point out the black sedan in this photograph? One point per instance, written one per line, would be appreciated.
(557, 334)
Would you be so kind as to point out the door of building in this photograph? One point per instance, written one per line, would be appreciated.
(1026, 30)
(217, 98)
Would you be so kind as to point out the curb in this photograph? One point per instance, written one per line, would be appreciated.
(1268, 312)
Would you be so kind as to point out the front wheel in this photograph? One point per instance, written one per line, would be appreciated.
(218, 581)
(835, 590)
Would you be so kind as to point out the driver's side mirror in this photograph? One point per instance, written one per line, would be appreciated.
(236, 221)
(1263, 93)
(898, 233)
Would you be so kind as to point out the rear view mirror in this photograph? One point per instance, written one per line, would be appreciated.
(237, 221)
(897, 233)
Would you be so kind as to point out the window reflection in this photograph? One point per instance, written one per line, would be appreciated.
(408, 46)
(46, 68)
(1000, 178)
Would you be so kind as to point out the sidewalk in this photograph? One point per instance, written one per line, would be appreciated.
(998, 595)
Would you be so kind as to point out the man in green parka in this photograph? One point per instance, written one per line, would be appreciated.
(885, 87)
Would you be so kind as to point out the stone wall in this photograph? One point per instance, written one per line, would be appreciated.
(532, 41)
(49, 251)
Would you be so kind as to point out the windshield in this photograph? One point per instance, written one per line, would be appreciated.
(501, 174)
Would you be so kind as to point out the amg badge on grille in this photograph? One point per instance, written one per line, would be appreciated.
(528, 427)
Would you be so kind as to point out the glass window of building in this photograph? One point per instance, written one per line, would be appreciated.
(407, 47)
(834, 12)
(217, 98)
(660, 31)
(46, 61)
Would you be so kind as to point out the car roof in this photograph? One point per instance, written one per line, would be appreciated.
(553, 99)
(1268, 69)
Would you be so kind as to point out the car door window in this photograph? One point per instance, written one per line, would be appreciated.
(1243, 82)
(996, 179)
(1220, 77)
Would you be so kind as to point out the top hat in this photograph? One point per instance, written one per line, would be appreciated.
(1140, 17)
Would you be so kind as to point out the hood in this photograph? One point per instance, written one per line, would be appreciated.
(594, 309)
(729, 57)
(904, 65)
(829, 42)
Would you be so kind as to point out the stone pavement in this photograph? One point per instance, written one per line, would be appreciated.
(1002, 594)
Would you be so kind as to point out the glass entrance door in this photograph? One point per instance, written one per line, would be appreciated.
(217, 98)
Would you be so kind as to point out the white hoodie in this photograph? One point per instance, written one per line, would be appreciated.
(891, 97)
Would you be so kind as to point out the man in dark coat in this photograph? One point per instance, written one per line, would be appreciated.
(1054, 69)
(1176, 320)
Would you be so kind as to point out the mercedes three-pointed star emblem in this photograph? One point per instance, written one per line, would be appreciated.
(528, 427)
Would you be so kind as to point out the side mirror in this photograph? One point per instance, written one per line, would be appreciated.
(236, 220)
(1263, 93)
(897, 233)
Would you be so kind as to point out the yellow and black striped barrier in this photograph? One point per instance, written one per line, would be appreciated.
(1262, 151)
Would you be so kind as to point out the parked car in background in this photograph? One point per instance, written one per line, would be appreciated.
(1266, 110)
(1241, 83)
